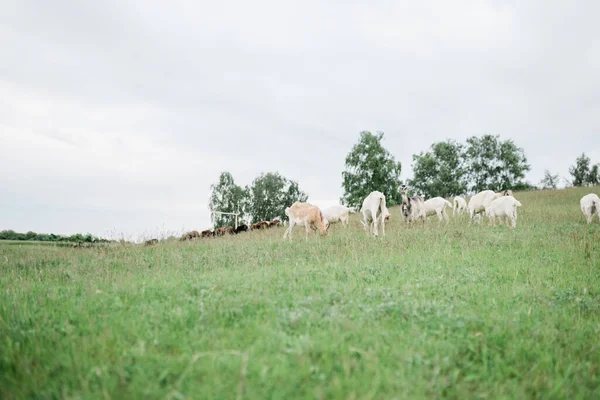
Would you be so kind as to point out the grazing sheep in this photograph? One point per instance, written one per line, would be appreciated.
(590, 206)
(190, 235)
(373, 208)
(503, 206)
(307, 215)
(482, 200)
(413, 208)
(223, 231)
(259, 225)
(338, 213)
(437, 206)
(207, 233)
(460, 206)
(241, 228)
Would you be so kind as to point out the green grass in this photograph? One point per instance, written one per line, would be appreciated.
(436, 311)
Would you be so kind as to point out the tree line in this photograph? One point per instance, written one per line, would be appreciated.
(448, 168)
(264, 199)
(50, 237)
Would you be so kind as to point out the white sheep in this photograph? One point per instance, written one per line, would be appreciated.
(374, 209)
(460, 206)
(338, 213)
(503, 206)
(437, 206)
(479, 202)
(590, 206)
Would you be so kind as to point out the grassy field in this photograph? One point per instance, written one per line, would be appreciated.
(436, 311)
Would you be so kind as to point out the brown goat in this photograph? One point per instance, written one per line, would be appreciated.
(307, 215)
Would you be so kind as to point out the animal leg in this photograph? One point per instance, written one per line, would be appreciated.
(589, 215)
(287, 231)
(375, 227)
(366, 223)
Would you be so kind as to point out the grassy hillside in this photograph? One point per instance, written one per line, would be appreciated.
(454, 311)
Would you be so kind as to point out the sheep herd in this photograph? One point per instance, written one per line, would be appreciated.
(497, 206)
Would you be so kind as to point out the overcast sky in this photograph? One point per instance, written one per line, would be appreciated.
(116, 116)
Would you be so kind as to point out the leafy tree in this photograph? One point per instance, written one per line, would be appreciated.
(30, 235)
(270, 194)
(43, 237)
(581, 170)
(369, 167)
(226, 196)
(594, 177)
(495, 164)
(8, 235)
(440, 171)
(550, 181)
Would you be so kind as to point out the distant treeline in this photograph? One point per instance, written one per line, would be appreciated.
(50, 237)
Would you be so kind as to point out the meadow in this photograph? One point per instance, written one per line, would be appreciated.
(426, 312)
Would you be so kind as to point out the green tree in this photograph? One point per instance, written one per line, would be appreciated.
(581, 170)
(495, 164)
(440, 171)
(594, 177)
(226, 196)
(30, 235)
(550, 181)
(270, 194)
(369, 167)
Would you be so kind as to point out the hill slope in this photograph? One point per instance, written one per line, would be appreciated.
(431, 311)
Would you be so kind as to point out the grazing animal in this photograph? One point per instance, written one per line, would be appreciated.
(413, 208)
(207, 233)
(259, 225)
(190, 235)
(274, 223)
(307, 215)
(151, 242)
(460, 206)
(503, 207)
(590, 206)
(241, 228)
(224, 231)
(338, 213)
(437, 206)
(374, 209)
(482, 200)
